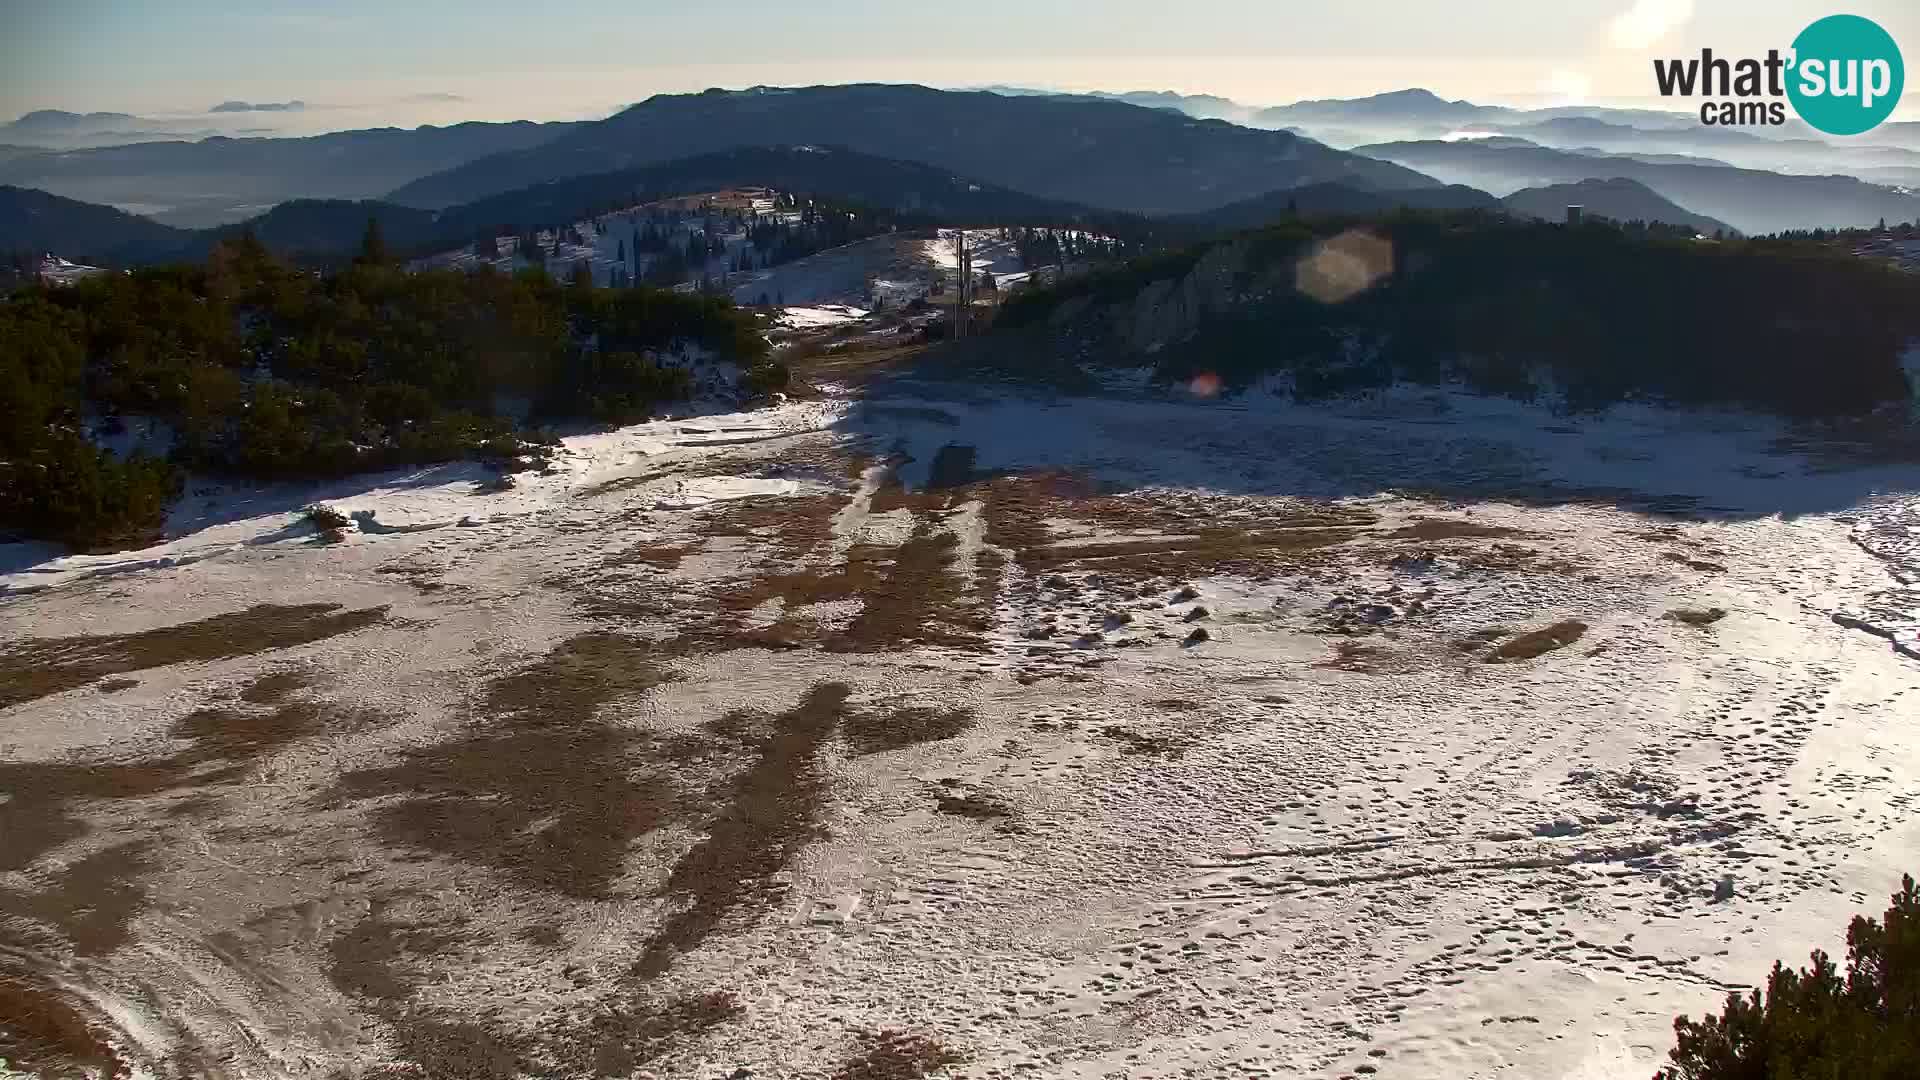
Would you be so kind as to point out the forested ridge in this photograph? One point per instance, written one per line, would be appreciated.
(1600, 314)
(264, 372)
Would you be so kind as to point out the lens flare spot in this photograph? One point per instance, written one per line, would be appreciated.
(1205, 385)
(1344, 266)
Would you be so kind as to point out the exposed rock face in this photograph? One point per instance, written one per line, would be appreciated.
(1169, 310)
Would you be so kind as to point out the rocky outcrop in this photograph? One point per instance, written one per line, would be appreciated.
(1169, 310)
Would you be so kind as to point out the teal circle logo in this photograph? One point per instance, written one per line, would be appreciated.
(1846, 75)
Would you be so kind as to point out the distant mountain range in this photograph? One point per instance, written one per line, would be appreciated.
(218, 180)
(833, 172)
(57, 129)
(1151, 152)
(1101, 153)
(1415, 115)
(1751, 200)
(1198, 106)
(36, 221)
(1340, 200)
(332, 228)
(1617, 199)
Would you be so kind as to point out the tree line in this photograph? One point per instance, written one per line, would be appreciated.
(261, 371)
(1598, 314)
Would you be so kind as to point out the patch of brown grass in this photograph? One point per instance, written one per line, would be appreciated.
(782, 530)
(658, 556)
(275, 688)
(915, 597)
(238, 736)
(577, 676)
(723, 463)
(38, 667)
(1252, 540)
(891, 493)
(1451, 529)
(552, 810)
(1697, 617)
(1692, 563)
(896, 1055)
(769, 816)
(1016, 508)
(910, 595)
(972, 805)
(1175, 512)
(1134, 742)
(1480, 639)
(549, 796)
(92, 900)
(433, 1044)
(879, 732)
(365, 961)
(1355, 656)
(1257, 554)
(45, 1035)
(618, 1039)
(1515, 558)
(1538, 642)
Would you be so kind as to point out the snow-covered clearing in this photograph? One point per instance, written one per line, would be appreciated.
(1113, 737)
(57, 271)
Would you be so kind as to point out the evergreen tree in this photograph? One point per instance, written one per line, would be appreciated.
(373, 245)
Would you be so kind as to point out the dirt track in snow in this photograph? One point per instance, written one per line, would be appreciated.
(940, 732)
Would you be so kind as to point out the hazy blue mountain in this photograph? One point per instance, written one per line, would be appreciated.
(1339, 200)
(1751, 200)
(324, 228)
(36, 222)
(1412, 108)
(1414, 115)
(1741, 147)
(1102, 153)
(1199, 106)
(1618, 198)
(57, 129)
(219, 180)
(59, 121)
(1651, 159)
(331, 228)
(1892, 176)
(259, 106)
(830, 172)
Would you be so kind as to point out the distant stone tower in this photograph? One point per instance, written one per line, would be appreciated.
(1576, 214)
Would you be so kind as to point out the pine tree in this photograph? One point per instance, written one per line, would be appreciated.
(373, 245)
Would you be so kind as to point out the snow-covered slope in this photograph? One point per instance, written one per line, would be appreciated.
(1124, 736)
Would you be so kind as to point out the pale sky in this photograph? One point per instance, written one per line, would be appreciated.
(362, 62)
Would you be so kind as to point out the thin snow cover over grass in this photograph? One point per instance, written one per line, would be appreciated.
(1115, 736)
(608, 242)
(990, 254)
(808, 318)
(57, 271)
